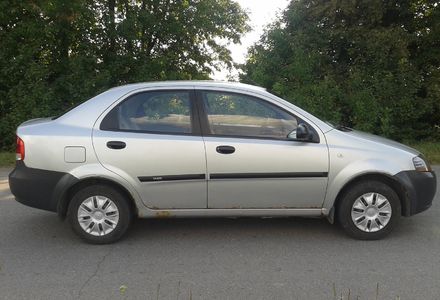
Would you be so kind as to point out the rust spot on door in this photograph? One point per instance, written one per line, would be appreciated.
(163, 214)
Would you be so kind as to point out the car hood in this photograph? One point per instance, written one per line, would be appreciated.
(381, 140)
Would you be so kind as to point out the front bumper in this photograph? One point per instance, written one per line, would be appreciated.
(419, 188)
(38, 188)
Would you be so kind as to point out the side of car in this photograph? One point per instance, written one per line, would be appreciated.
(184, 149)
(190, 165)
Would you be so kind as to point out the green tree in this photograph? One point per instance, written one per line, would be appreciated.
(373, 65)
(56, 53)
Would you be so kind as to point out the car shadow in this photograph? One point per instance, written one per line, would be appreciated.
(234, 227)
(47, 227)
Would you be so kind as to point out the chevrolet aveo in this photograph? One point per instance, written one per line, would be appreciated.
(207, 149)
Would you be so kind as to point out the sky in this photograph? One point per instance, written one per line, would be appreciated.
(261, 13)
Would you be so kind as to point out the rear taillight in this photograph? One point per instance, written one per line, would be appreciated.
(19, 149)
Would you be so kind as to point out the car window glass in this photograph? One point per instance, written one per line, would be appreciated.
(167, 112)
(242, 115)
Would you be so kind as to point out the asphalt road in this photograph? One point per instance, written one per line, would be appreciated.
(291, 258)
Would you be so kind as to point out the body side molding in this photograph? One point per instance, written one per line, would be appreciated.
(171, 177)
(268, 175)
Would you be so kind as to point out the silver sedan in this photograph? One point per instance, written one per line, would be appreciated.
(210, 149)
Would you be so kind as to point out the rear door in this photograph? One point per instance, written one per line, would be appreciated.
(251, 162)
(152, 139)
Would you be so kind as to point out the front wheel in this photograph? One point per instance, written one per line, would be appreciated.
(369, 210)
(99, 214)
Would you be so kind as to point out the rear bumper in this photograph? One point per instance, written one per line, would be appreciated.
(38, 188)
(420, 188)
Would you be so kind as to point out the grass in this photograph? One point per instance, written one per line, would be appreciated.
(7, 159)
(431, 150)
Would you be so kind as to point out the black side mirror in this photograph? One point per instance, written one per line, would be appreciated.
(301, 133)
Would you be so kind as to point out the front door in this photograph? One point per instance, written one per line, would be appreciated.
(251, 162)
(152, 139)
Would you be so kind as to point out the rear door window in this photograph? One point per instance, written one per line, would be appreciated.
(152, 112)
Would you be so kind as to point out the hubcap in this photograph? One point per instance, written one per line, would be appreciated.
(371, 212)
(98, 215)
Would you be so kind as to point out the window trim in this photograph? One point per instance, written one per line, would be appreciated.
(194, 114)
(206, 130)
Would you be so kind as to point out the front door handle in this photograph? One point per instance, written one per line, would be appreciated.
(225, 149)
(116, 145)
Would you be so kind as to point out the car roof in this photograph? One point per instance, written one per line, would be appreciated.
(194, 83)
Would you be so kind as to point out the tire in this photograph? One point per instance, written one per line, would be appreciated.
(106, 208)
(366, 199)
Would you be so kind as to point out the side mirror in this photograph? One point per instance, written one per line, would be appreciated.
(301, 133)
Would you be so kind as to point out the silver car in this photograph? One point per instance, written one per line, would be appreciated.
(210, 149)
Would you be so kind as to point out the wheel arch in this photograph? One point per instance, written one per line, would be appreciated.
(385, 178)
(69, 192)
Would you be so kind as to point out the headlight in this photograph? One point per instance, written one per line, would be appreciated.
(421, 165)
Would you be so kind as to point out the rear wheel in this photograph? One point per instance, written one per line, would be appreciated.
(369, 210)
(99, 214)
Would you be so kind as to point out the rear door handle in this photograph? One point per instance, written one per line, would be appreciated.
(116, 145)
(225, 149)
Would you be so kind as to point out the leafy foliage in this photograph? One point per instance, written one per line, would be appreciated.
(57, 53)
(373, 65)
